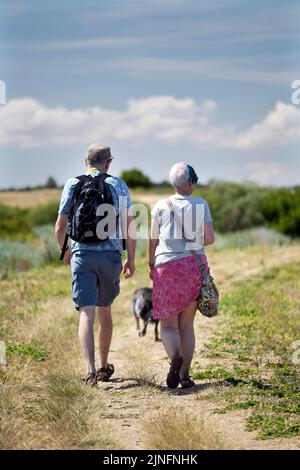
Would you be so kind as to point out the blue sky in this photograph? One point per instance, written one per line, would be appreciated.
(208, 82)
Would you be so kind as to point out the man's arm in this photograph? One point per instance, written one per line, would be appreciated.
(62, 219)
(61, 228)
(60, 232)
(129, 265)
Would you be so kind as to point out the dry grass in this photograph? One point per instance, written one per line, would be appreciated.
(44, 405)
(75, 414)
(147, 197)
(55, 411)
(26, 199)
(139, 367)
(10, 405)
(176, 428)
(230, 266)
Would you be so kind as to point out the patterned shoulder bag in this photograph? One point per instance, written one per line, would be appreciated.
(208, 301)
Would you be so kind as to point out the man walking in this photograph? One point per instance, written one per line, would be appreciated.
(95, 253)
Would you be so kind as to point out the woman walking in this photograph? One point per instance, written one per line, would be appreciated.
(179, 224)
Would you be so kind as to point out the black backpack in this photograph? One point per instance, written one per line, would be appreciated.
(90, 193)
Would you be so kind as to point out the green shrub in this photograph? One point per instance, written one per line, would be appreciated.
(43, 214)
(281, 210)
(14, 223)
(241, 206)
(19, 256)
(19, 224)
(50, 250)
(135, 178)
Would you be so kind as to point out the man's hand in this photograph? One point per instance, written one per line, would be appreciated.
(128, 269)
(67, 256)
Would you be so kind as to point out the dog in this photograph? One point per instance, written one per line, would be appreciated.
(142, 310)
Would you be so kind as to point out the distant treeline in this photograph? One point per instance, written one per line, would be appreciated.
(241, 206)
(234, 207)
(50, 184)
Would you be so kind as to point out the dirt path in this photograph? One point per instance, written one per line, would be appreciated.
(138, 386)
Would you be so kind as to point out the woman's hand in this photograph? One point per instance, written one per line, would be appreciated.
(151, 271)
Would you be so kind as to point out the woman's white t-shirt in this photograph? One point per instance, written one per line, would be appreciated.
(192, 212)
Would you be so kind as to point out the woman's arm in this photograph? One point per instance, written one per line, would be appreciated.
(209, 235)
(153, 242)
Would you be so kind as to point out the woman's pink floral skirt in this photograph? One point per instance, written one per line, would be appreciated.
(175, 285)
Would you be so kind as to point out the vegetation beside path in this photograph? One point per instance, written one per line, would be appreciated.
(253, 352)
(243, 365)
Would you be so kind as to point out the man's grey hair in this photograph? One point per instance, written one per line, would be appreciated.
(179, 175)
(97, 153)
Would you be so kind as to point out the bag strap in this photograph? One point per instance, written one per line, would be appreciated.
(193, 252)
(64, 248)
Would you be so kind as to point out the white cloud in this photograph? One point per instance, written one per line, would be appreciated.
(281, 125)
(269, 173)
(27, 123)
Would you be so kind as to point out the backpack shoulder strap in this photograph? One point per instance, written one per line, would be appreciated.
(193, 252)
(81, 179)
(103, 176)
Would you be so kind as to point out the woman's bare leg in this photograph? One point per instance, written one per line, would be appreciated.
(170, 336)
(187, 337)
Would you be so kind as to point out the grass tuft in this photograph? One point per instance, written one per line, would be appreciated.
(178, 429)
(139, 366)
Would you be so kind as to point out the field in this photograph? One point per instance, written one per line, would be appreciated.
(245, 366)
(27, 199)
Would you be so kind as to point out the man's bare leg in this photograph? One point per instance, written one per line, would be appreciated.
(105, 333)
(86, 336)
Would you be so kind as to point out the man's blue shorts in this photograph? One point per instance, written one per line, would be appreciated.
(95, 278)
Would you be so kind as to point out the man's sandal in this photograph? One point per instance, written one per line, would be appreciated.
(105, 373)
